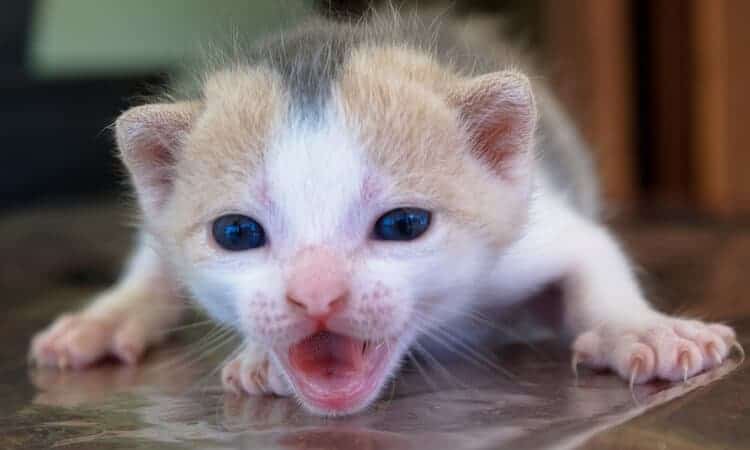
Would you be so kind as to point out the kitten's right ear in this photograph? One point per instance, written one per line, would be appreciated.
(499, 112)
(150, 138)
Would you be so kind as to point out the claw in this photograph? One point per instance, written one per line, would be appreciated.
(684, 361)
(232, 384)
(63, 363)
(259, 382)
(574, 364)
(714, 352)
(635, 367)
(736, 345)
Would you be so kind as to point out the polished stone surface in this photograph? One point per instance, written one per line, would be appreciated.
(54, 259)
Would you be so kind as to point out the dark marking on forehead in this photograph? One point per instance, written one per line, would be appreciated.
(310, 59)
(309, 62)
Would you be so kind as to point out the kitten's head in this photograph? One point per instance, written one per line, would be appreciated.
(336, 232)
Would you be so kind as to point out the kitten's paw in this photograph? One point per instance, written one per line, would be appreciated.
(667, 348)
(79, 340)
(252, 373)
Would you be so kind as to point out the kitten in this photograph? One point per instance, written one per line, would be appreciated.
(344, 189)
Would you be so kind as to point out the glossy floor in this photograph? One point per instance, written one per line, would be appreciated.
(52, 259)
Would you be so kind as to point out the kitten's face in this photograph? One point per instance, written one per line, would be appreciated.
(334, 243)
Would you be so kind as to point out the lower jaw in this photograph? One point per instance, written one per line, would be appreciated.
(353, 399)
(335, 405)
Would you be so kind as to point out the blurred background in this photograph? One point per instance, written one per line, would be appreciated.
(657, 86)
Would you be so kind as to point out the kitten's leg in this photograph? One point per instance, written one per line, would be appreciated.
(122, 321)
(617, 329)
(252, 373)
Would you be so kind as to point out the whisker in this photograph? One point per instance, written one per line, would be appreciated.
(196, 351)
(422, 371)
(434, 361)
(190, 325)
(479, 318)
(231, 356)
(215, 347)
(445, 338)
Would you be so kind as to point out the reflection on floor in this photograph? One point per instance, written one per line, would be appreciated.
(52, 259)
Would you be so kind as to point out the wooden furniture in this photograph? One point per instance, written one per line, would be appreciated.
(660, 89)
(589, 41)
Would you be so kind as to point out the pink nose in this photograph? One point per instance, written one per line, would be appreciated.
(318, 283)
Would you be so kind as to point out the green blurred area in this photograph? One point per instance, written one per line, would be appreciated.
(74, 38)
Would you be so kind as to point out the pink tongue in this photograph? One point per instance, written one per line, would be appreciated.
(327, 354)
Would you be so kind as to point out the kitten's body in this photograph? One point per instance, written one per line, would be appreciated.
(317, 135)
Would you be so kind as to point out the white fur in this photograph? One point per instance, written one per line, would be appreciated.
(321, 191)
(560, 244)
(313, 184)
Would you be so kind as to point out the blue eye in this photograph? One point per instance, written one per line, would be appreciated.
(235, 232)
(402, 224)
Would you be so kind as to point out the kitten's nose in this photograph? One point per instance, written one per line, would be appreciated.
(318, 282)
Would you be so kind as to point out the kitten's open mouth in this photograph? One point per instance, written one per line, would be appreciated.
(336, 373)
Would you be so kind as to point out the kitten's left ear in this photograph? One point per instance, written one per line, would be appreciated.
(150, 139)
(499, 112)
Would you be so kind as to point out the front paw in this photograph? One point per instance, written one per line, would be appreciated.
(665, 348)
(79, 340)
(251, 373)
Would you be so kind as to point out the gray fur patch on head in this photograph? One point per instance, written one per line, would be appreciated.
(310, 58)
(308, 62)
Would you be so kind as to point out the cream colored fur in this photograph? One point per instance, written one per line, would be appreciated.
(398, 126)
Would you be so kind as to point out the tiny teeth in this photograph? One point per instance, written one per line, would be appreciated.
(364, 347)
